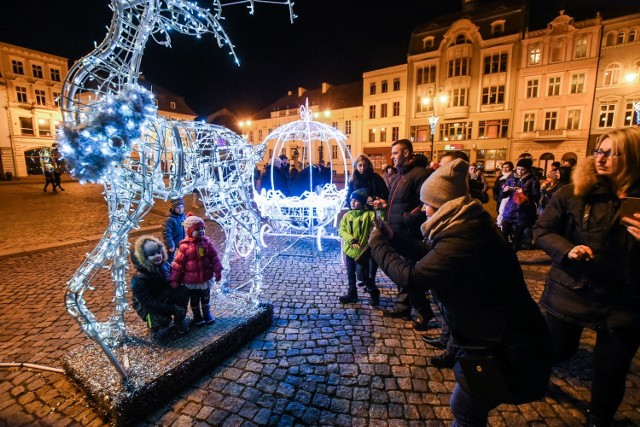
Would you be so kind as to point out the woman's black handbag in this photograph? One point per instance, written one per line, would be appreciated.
(482, 375)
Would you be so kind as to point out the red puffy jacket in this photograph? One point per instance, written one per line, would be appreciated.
(196, 261)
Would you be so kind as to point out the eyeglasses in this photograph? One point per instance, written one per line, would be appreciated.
(599, 152)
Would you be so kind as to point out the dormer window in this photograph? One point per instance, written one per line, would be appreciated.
(172, 105)
(461, 39)
(497, 27)
(428, 42)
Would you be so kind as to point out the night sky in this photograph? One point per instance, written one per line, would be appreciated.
(331, 40)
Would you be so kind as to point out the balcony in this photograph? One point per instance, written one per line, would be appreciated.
(552, 135)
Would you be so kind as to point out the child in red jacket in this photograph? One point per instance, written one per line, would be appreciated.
(195, 265)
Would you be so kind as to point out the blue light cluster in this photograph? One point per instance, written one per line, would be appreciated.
(105, 138)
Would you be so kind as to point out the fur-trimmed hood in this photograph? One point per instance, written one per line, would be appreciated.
(137, 256)
(585, 177)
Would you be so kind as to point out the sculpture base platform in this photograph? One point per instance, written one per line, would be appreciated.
(159, 365)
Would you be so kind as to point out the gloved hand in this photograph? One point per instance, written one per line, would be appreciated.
(179, 312)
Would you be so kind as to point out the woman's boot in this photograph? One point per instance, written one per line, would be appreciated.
(351, 296)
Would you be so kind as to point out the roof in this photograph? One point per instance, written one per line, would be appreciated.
(334, 98)
(165, 97)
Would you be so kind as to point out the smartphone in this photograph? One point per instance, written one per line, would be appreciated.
(629, 206)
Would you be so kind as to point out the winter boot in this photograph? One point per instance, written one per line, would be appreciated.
(351, 296)
(206, 314)
(197, 315)
(374, 293)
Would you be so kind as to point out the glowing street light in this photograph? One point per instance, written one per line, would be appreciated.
(439, 99)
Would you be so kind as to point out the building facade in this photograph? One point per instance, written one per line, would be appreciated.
(32, 83)
(556, 85)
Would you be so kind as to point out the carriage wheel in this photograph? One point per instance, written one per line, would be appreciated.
(243, 242)
(321, 232)
(265, 229)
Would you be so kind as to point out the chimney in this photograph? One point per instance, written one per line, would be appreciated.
(325, 87)
(301, 91)
(468, 5)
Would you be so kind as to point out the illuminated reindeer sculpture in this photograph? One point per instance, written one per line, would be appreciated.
(113, 135)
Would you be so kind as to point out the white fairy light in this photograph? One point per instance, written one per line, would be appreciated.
(306, 214)
(113, 135)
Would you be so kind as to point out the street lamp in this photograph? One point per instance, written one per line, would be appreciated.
(439, 98)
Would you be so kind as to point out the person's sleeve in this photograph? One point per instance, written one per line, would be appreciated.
(147, 300)
(549, 229)
(343, 230)
(177, 266)
(166, 233)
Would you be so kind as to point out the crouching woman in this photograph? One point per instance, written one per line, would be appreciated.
(155, 301)
(502, 336)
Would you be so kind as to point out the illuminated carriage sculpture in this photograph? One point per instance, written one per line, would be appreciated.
(113, 135)
(318, 200)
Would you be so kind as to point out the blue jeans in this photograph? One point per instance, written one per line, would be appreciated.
(469, 411)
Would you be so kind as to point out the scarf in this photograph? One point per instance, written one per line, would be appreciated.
(452, 213)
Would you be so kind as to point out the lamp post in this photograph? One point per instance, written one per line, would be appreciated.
(439, 97)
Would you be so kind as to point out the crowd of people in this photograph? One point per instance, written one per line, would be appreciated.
(425, 226)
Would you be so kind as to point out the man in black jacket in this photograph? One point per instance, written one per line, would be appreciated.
(404, 217)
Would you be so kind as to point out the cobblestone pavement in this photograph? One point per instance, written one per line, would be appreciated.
(320, 363)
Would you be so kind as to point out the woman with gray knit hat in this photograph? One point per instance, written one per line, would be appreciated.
(501, 335)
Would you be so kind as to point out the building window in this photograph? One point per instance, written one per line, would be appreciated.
(532, 88)
(55, 74)
(573, 119)
(396, 108)
(347, 127)
(372, 111)
(557, 52)
(629, 114)
(535, 55)
(582, 48)
(334, 152)
(493, 129)
(172, 105)
(17, 67)
(611, 75)
(334, 125)
(497, 27)
(620, 38)
(21, 94)
(260, 139)
(554, 86)
(493, 95)
(395, 133)
(41, 97)
(250, 136)
(633, 34)
(383, 110)
(577, 83)
(458, 67)
(456, 131)
(44, 127)
(383, 135)
(550, 120)
(372, 135)
(426, 75)
(37, 71)
(372, 88)
(606, 115)
(396, 85)
(459, 97)
(461, 39)
(611, 39)
(26, 126)
(529, 123)
(428, 42)
(496, 63)
(384, 86)
(56, 99)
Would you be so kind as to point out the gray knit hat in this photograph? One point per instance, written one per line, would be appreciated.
(448, 182)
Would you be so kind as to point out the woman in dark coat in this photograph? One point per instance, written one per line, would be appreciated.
(523, 189)
(364, 177)
(489, 314)
(594, 280)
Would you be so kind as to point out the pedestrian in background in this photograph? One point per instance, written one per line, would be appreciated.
(155, 301)
(523, 189)
(594, 280)
(172, 229)
(389, 175)
(57, 180)
(196, 265)
(498, 195)
(354, 230)
(48, 177)
(498, 328)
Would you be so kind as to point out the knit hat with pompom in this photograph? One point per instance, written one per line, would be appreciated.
(191, 223)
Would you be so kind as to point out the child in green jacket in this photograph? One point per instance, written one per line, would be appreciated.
(354, 230)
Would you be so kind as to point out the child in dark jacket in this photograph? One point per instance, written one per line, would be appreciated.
(354, 230)
(172, 230)
(195, 265)
(153, 299)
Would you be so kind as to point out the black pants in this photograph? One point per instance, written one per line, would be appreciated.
(515, 231)
(612, 356)
(365, 269)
